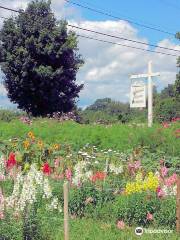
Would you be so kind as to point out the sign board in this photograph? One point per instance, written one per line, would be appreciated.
(138, 95)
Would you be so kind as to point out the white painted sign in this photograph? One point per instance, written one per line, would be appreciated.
(138, 95)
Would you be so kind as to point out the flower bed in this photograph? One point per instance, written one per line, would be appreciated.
(131, 188)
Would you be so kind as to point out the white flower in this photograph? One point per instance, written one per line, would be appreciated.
(114, 169)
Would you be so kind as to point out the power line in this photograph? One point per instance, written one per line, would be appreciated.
(168, 54)
(124, 16)
(124, 45)
(116, 17)
(122, 38)
(10, 9)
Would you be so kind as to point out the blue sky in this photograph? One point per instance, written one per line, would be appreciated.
(107, 67)
(163, 14)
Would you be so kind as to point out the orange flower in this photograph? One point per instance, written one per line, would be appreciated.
(31, 135)
(26, 144)
(56, 146)
(40, 144)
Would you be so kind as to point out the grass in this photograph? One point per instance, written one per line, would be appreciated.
(121, 137)
(87, 229)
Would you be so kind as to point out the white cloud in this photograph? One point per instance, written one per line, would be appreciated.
(108, 67)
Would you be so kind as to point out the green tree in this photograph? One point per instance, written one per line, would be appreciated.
(40, 60)
(177, 82)
(166, 109)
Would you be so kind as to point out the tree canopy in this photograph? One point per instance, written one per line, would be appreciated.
(39, 58)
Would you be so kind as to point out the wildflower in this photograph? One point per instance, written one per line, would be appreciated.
(120, 225)
(149, 216)
(46, 169)
(26, 120)
(68, 174)
(31, 135)
(26, 144)
(98, 176)
(56, 146)
(164, 171)
(133, 167)
(11, 162)
(177, 133)
(56, 162)
(1, 215)
(160, 192)
(161, 161)
(171, 180)
(114, 169)
(165, 125)
(40, 144)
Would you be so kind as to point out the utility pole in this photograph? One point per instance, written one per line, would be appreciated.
(149, 76)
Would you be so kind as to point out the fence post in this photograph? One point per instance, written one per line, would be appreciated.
(66, 213)
(178, 205)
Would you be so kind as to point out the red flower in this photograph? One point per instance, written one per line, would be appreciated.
(46, 169)
(11, 162)
(98, 176)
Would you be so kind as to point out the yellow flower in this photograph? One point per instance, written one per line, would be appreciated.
(56, 146)
(151, 183)
(40, 144)
(31, 135)
(14, 144)
(26, 144)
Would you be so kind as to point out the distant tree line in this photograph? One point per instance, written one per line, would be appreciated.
(166, 107)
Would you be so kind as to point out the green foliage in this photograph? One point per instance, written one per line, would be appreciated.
(84, 200)
(117, 137)
(40, 60)
(133, 209)
(167, 109)
(9, 115)
(166, 214)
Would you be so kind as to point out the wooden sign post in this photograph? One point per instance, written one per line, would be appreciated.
(66, 212)
(149, 75)
(178, 205)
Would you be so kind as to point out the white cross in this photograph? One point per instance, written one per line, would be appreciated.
(149, 75)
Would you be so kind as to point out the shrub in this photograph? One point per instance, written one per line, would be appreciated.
(166, 215)
(84, 200)
(133, 208)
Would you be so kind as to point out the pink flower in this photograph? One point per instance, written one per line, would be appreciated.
(149, 216)
(133, 167)
(68, 174)
(137, 164)
(56, 162)
(1, 215)
(161, 161)
(171, 180)
(160, 192)
(2, 177)
(165, 125)
(164, 171)
(120, 225)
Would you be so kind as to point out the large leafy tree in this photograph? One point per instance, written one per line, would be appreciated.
(39, 58)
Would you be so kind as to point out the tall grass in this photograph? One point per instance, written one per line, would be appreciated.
(121, 137)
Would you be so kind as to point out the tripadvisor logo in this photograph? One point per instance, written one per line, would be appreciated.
(139, 231)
